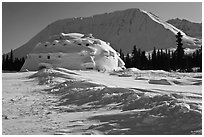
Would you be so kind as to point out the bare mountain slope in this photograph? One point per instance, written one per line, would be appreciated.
(122, 29)
(190, 28)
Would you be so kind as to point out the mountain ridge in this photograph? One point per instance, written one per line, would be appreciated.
(123, 29)
(192, 29)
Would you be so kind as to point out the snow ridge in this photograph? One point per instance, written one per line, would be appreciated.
(120, 111)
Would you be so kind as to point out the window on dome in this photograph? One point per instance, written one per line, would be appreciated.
(40, 56)
(48, 57)
(112, 54)
(53, 44)
(59, 56)
(79, 44)
(87, 44)
(89, 68)
(45, 45)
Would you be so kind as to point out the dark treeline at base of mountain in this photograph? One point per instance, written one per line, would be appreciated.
(11, 64)
(176, 60)
(163, 60)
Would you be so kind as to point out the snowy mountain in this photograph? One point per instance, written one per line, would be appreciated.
(123, 29)
(190, 28)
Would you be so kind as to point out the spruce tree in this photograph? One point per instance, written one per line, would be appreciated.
(138, 59)
(154, 59)
(7, 62)
(134, 57)
(127, 61)
(11, 56)
(3, 61)
(149, 66)
(179, 52)
(122, 55)
(158, 60)
(144, 60)
(173, 61)
(167, 60)
(162, 62)
(10, 61)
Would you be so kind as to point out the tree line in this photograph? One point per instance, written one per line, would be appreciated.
(10, 63)
(164, 59)
(159, 59)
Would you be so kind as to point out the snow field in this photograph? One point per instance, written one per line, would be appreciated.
(138, 109)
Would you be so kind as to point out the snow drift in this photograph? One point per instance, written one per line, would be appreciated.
(130, 110)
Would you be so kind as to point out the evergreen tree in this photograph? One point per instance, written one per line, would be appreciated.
(154, 59)
(144, 60)
(197, 59)
(7, 64)
(167, 60)
(134, 57)
(158, 59)
(11, 61)
(122, 55)
(3, 61)
(173, 61)
(11, 56)
(162, 61)
(127, 61)
(11, 64)
(149, 65)
(139, 59)
(179, 52)
(188, 62)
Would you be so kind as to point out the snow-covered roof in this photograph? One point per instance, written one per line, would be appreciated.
(72, 42)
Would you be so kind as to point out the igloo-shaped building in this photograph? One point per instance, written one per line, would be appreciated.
(74, 51)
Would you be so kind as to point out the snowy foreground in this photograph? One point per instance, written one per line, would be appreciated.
(62, 102)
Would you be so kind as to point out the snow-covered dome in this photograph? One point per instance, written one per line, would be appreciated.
(74, 51)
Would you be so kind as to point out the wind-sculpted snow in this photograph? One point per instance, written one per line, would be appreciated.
(46, 76)
(129, 110)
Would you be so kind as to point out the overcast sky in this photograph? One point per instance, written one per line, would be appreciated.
(22, 21)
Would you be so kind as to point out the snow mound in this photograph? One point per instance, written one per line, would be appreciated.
(133, 70)
(132, 110)
(74, 51)
(46, 76)
(141, 114)
(148, 111)
(160, 82)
